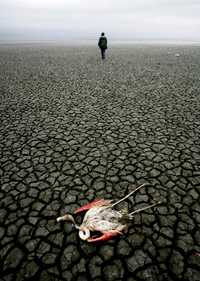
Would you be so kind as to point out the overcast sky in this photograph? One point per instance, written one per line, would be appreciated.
(85, 19)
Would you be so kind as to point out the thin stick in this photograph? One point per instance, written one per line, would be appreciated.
(145, 208)
(124, 198)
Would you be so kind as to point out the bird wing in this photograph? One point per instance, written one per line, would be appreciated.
(101, 219)
(95, 203)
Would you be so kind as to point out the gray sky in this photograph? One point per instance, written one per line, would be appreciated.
(85, 19)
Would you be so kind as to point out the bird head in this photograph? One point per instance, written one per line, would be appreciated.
(66, 217)
(84, 233)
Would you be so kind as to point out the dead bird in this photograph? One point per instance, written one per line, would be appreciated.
(102, 217)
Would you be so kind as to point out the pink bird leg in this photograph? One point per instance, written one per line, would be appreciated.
(106, 236)
(95, 203)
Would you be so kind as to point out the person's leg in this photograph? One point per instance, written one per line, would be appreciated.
(102, 53)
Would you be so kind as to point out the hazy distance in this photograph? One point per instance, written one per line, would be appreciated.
(84, 20)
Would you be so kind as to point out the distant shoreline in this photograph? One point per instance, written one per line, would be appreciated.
(94, 42)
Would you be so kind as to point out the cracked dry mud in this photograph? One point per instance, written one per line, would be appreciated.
(74, 129)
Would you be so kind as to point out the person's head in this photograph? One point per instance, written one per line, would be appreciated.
(102, 34)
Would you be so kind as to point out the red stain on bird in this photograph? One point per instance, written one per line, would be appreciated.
(102, 217)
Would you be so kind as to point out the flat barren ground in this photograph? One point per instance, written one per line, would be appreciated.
(74, 128)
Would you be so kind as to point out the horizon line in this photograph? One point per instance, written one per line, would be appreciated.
(89, 41)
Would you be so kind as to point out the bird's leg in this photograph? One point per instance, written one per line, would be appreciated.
(105, 236)
(102, 202)
(145, 208)
(95, 203)
(124, 198)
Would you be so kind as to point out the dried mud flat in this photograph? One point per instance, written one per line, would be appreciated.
(74, 128)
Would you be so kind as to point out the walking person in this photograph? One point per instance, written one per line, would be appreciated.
(103, 45)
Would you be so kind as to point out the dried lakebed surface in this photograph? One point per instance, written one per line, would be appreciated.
(74, 128)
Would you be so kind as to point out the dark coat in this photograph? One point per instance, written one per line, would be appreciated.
(102, 42)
